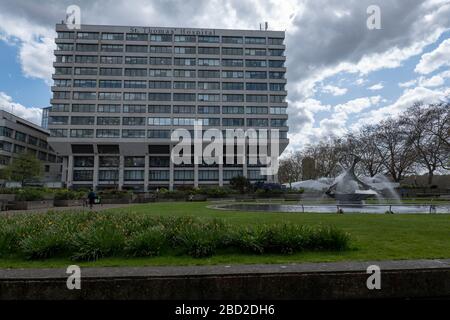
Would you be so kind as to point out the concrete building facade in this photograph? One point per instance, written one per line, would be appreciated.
(18, 136)
(119, 92)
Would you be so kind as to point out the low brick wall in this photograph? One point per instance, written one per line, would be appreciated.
(399, 279)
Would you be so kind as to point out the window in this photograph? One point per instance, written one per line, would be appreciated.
(83, 108)
(233, 122)
(161, 61)
(278, 122)
(209, 50)
(185, 50)
(208, 73)
(184, 61)
(210, 121)
(83, 161)
(5, 146)
(134, 108)
(58, 133)
(60, 108)
(64, 95)
(208, 175)
(84, 96)
(277, 110)
(108, 121)
(159, 175)
(110, 72)
(232, 86)
(137, 37)
(158, 109)
(275, 41)
(209, 62)
(136, 162)
(133, 121)
(183, 175)
(276, 52)
(255, 52)
(136, 60)
(108, 133)
(160, 73)
(133, 48)
(232, 74)
(259, 98)
(110, 84)
(159, 97)
(112, 48)
(184, 109)
(160, 49)
(161, 37)
(209, 97)
(135, 96)
(232, 62)
(108, 175)
(64, 47)
(63, 71)
(86, 59)
(112, 36)
(277, 87)
(256, 75)
(255, 175)
(66, 35)
(258, 122)
(87, 35)
(135, 72)
(19, 148)
(209, 39)
(83, 47)
(158, 134)
(229, 174)
(184, 97)
(78, 83)
(233, 97)
(209, 85)
(111, 60)
(255, 63)
(82, 120)
(108, 161)
(258, 86)
(277, 99)
(257, 110)
(181, 73)
(184, 39)
(237, 40)
(133, 175)
(183, 121)
(276, 75)
(108, 108)
(83, 175)
(81, 133)
(276, 63)
(64, 59)
(160, 84)
(159, 161)
(58, 120)
(133, 133)
(110, 96)
(159, 121)
(232, 51)
(184, 85)
(208, 109)
(232, 110)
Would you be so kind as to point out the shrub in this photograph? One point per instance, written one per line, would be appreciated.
(47, 244)
(30, 194)
(148, 242)
(66, 194)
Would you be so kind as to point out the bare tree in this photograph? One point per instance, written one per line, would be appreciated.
(290, 169)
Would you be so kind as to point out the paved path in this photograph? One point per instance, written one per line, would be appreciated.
(96, 208)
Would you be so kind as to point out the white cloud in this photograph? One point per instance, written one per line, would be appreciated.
(407, 84)
(357, 105)
(434, 81)
(376, 87)
(335, 91)
(31, 114)
(435, 59)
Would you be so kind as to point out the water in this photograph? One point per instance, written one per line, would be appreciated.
(324, 208)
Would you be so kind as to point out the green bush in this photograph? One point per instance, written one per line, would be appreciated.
(146, 243)
(65, 194)
(30, 194)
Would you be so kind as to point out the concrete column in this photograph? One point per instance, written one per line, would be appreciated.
(220, 175)
(146, 171)
(171, 173)
(64, 171)
(195, 175)
(121, 171)
(69, 171)
(95, 174)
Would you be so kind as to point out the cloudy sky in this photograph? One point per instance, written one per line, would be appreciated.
(340, 73)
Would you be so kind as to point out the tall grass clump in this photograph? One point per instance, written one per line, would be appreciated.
(90, 236)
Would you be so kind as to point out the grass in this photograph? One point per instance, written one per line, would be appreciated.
(373, 237)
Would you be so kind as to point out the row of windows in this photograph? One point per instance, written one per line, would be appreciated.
(168, 38)
(17, 148)
(177, 73)
(185, 85)
(82, 47)
(22, 137)
(169, 61)
(176, 109)
(185, 97)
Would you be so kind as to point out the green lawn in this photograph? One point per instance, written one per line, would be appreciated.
(374, 237)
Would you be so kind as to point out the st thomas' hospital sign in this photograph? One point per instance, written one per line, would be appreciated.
(178, 31)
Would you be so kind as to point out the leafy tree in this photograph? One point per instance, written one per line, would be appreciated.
(25, 167)
(240, 184)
